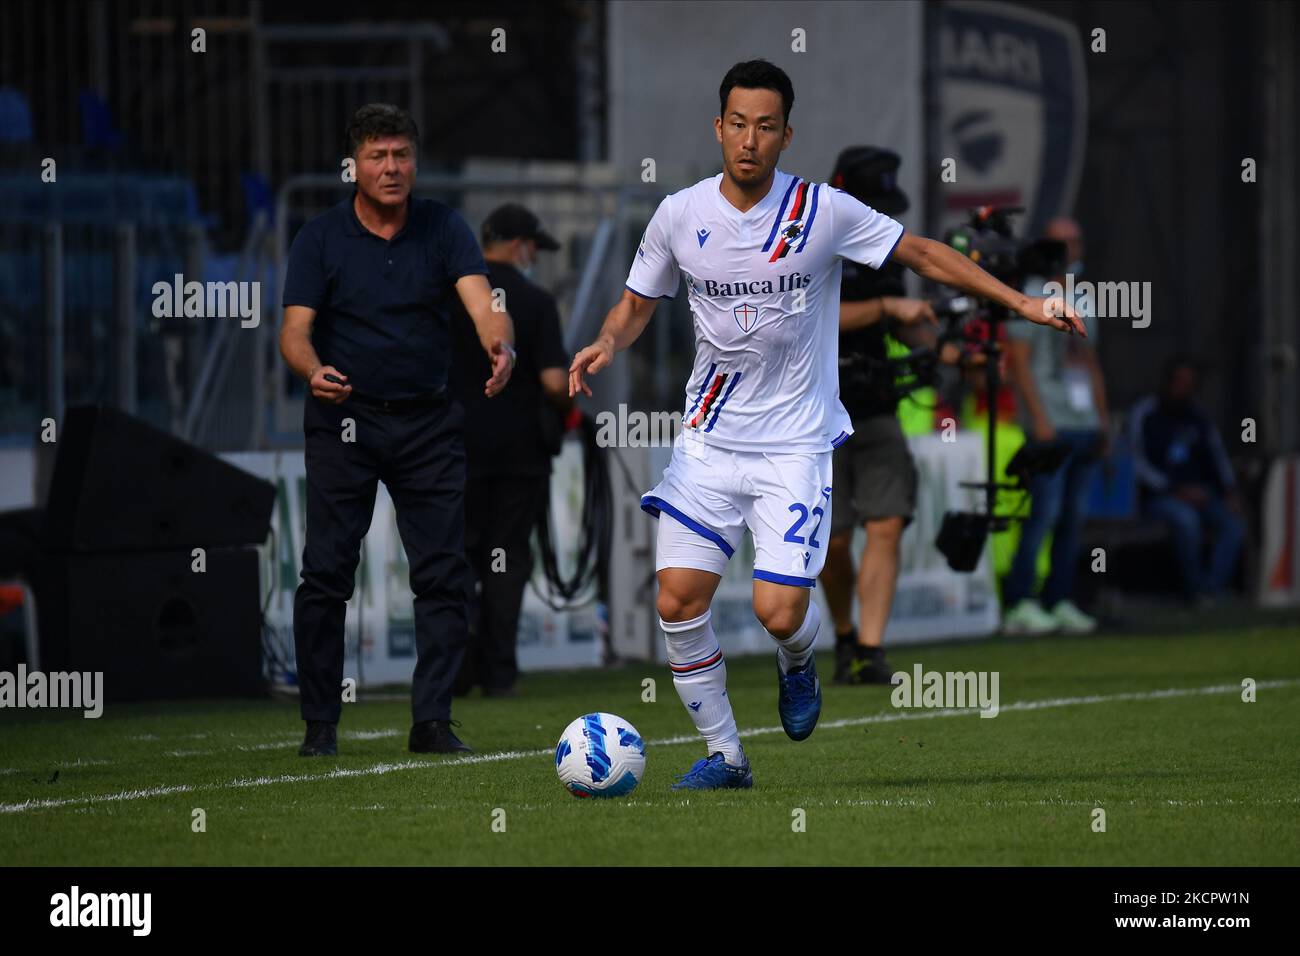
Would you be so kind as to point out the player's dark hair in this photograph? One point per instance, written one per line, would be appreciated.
(377, 120)
(757, 75)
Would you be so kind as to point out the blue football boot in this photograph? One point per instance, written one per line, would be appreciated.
(799, 699)
(714, 773)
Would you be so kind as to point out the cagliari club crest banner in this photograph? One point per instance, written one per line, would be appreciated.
(1012, 119)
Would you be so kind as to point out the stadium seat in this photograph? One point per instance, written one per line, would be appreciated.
(97, 131)
(15, 117)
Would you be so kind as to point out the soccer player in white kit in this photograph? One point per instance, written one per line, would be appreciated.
(760, 252)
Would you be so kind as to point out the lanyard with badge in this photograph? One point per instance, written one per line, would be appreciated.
(1077, 379)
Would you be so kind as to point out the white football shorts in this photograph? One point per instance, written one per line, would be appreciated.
(710, 495)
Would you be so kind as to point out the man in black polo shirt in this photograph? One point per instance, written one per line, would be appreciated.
(509, 441)
(366, 325)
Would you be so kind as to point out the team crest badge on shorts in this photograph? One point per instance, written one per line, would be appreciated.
(746, 316)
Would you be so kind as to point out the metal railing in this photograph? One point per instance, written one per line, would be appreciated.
(76, 321)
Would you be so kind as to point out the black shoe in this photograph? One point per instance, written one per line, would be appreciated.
(844, 645)
(321, 740)
(867, 665)
(436, 737)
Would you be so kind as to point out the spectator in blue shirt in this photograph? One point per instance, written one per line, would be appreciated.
(1186, 480)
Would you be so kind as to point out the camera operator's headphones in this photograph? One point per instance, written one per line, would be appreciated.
(870, 175)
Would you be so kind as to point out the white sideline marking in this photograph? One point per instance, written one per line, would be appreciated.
(372, 734)
(930, 802)
(285, 743)
(386, 768)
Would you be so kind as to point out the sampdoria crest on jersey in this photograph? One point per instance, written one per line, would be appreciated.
(746, 316)
(794, 219)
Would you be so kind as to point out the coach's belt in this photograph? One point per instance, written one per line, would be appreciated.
(427, 400)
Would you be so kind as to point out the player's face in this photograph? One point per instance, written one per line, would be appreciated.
(386, 170)
(753, 132)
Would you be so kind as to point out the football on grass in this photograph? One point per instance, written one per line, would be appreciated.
(600, 755)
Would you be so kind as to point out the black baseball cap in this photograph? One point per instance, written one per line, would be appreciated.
(870, 174)
(513, 221)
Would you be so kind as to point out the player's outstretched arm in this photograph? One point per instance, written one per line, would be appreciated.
(624, 323)
(943, 264)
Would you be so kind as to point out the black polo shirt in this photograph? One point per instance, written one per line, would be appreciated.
(866, 387)
(381, 305)
(503, 434)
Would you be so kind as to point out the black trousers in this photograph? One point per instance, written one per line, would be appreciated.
(500, 513)
(419, 455)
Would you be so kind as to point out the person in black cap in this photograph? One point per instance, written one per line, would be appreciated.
(509, 441)
(875, 477)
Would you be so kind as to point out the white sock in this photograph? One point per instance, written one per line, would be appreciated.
(700, 676)
(796, 649)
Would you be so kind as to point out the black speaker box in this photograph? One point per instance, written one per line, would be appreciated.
(120, 484)
(155, 627)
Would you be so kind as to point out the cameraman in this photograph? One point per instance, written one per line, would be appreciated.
(874, 482)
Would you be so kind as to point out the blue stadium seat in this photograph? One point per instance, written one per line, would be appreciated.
(257, 196)
(15, 117)
(97, 130)
(1114, 496)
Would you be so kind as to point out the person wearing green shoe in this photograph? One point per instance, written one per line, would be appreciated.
(1062, 400)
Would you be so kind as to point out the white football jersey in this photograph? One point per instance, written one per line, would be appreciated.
(764, 290)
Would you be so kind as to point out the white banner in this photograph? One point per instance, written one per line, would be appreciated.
(1279, 547)
(932, 601)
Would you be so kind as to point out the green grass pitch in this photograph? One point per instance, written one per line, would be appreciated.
(1196, 777)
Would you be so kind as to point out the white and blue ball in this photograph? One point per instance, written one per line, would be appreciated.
(600, 755)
